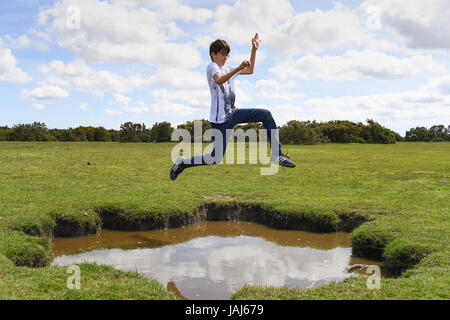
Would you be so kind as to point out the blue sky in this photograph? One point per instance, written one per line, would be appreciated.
(102, 63)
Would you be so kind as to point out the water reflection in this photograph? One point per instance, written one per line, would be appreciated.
(214, 266)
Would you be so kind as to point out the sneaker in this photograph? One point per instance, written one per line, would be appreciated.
(177, 169)
(283, 160)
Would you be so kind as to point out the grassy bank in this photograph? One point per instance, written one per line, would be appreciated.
(399, 191)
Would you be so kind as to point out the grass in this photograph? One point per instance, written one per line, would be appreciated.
(48, 188)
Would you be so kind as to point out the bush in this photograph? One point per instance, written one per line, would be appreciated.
(4, 133)
(36, 131)
(134, 132)
(343, 131)
(398, 137)
(379, 134)
(296, 132)
(190, 125)
(161, 132)
(437, 133)
(101, 134)
(69, 135)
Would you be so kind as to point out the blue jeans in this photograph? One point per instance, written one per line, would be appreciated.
(237, 117)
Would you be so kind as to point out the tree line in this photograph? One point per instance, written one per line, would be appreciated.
(293, 132)
(436, 133)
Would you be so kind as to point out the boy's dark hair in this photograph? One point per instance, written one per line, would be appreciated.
(219, 46)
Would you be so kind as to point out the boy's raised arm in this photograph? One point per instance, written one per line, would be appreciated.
(255, 46)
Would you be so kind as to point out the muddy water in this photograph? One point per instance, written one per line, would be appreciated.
(211, 260)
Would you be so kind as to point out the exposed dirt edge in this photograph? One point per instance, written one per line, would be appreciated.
(114, 218)
(364, 243)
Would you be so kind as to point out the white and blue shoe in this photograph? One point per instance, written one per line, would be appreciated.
(284, 161)
(177, 169)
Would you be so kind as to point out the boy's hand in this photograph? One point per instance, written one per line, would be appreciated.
(245, 65)
(256, 42)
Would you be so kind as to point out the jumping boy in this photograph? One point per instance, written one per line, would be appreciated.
(224, 115)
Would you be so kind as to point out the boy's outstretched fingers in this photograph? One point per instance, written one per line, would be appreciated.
(256, 41)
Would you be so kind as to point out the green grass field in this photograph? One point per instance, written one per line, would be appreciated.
(404, 189)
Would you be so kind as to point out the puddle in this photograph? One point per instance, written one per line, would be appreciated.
(211, 260)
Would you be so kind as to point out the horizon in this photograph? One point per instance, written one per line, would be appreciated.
(148, 127)
(103, 63)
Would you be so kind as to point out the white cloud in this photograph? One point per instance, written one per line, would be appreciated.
(383, 46)
(355, 65)
(179, 92)
(9, 71)
(242, 96)
(267, 89)
(120, 31)
(45, 93)
(422, 24)
(136, 110)
(121, 99)
(79, 76)
(317, 30)
(38, 106)
(33, 39)
(41, 35)
(286, 33)
(204, 41)
(240, 22)
(439, 86)
(237, 58)
(113, 112)
(178, 78)
(287, 112)
(124, 102)
(197, 98)
(22, 41)
(84, 105)
(173, 9)
(171, 109)
(430, 102)
(271, 89)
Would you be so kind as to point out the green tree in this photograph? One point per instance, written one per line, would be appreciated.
(36, 131)
(69, 135)
(101, 134)
(115, 135)
(128, 132)
(4, 131)
(189, 126)
(344, 132)
(379, 134)
(79, 134)
(416, 134)
(254, 126)
(296, 132)
(161, 132)
(439, 133)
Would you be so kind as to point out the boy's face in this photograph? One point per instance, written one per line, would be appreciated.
(220, 58)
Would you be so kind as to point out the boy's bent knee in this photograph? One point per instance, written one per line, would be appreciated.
(267, 114)
(266, 111)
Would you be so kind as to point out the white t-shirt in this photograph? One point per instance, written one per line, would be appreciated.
(222, 97)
